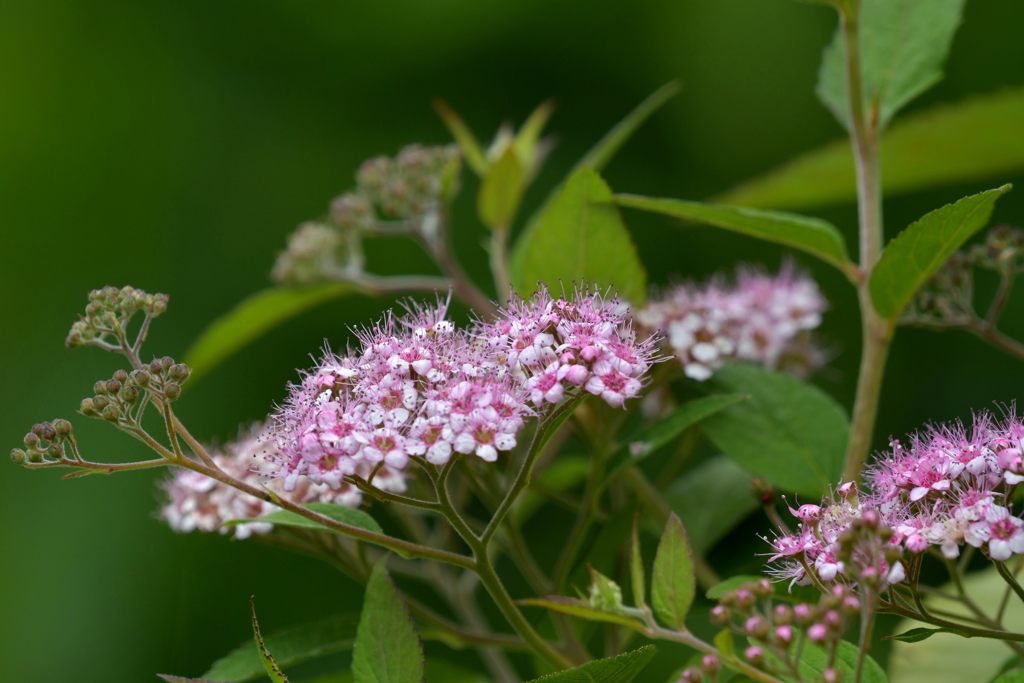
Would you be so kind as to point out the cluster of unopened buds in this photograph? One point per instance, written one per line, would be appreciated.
(777, 633)
(109, 312)
(761, 318)
(196, 502)
(705, 672)
(392, 195)
(418, 386)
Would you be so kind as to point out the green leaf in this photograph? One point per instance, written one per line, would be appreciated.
(270, 667)
(648, 441)
(672, 579)
(916, 253)
(579, 237)
(168, 678)
(472, 152)
(528, 136)
(924, 150)
(711, 500)
(903, 44)
(252, 318)
(730, 584)
(815, 660)
(791, 433)
(950, 657)
(339, 513)
(621, 669)
(604, 593)
(812, 235)
(501, 190)
(916, 635)
(1015, 676)
(606, 148)
(579, 609)
(725, 643)
(437, 671)
(292, 646)
(387, 649)
(636, 566)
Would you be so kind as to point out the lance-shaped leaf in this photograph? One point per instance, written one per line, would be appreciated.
(791, 433)
(339, 513)
(472, 152)
(252, 318)
(903, 45)
(581, 610)
(270, 666)
(672, 579)
(812, 235)
(292, 646)
(387, 649)
(917, 252)
(579, 237)
(606, 148)
(925, 149)
(623, 668)
(501, 189)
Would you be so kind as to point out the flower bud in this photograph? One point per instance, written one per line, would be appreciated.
(62, 427)
(99, 403)
(818, 633)
(783, 614)
(179, 372)
(172, 390)
(831, 675)
(31, 440)
(691, 675)
(120, 376)
(140, 377)
(129, 394)
(18, 456)
(784, 634)
(710, 663)
(833, 620)
(762, 588)
(754, 655)
(720, 615)
(99, 388)
(111, 413)
(35, 457)
(803, 614)
(744, 598)
(756, 627)
(113, 386)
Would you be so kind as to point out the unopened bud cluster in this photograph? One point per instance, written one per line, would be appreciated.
(109, 313)
(1002, 250)
(777, 633)
(707, 671)
(401, 193)
(46, 442)
(114, 399)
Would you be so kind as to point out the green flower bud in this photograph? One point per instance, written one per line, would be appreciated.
(62, 427)
(86, 407)
(111, 413)
(140, 377)
(99, 388)
(172, 390)
(18, 456)
(179, 372)
(120, 376)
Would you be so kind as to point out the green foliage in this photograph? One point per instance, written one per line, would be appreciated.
(923, 150)
(916, 635)
(252, 318)
(1015, 676)
(903, 44)
(471, 150)
(501, 189)
(290, 647)
(711, 500)
(812, 235)
(604, 593)
(673, 583)
(436, 671)
(917, 252)
(579, 609)
(339, 513)
(815, 660)
(168, 678)
(620, 669)
(729, 585)
(387, 649)
(270, 666)
(664, 430)
(606, 148)
(579, 237)
(791, 433)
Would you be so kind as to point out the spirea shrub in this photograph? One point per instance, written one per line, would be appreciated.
(435, 453)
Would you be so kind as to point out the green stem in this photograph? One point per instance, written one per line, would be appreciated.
(876, 331)
(1010, 580)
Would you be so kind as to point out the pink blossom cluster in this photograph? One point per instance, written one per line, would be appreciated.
(556, 345)
(761, 318)
(418, 386)
(196, 502)
(947, 486)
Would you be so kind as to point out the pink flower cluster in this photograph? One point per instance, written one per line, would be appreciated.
(196, 502)
(418, 386)
(554, 346)
(946, 487)
(761, 318)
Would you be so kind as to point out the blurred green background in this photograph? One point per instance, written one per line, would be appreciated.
(173, 145)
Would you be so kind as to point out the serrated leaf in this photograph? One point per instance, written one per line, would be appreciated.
(606, 148)
(672, 579)
(270, 667)
(387, 649)
(168, 678)
(252, 318)
(960, 142)
(291, 646)
(579, 237)
(636, 566)
(579, 609)
(711, 499)
(339, 513)
(472, 152)
(916, 253)
(641, 446)
(812, 235)
(623, 668)
(501, 189)
(791, 433)
(903, 45)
